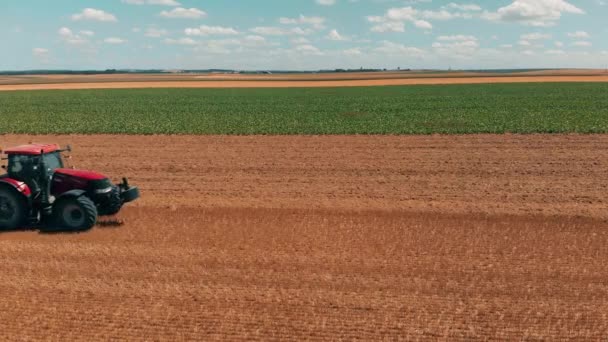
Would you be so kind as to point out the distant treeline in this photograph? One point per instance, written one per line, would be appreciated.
(243, 72)
(77, 72)
(360, 70)
(163, 71)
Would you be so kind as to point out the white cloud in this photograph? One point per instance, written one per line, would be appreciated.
(87, 33)
(153, 32)
(443, 14)
(524, 43)
(582, 44)
(452, 11)
(533, 12)
(253, 40)
(64, 32)
(114, 40)
(269, 31)
(94, 15)
(180, 41)
(300, 41)
(335, 35)
(213, 47)
(164, 2)
(352, 52)
(423, 24)
(184, 13)
(376, 19)
(458, 37)
(152, 2)
(456, 46)
(555, 52)
(391, 26)
(390, 48)
(40, 52)
(559, 44)
(401, 14)
(300, 31)
(41, 55)
(464, 7)
(395, 18)
(279, 31)
(70, 37)
(535, 36)
(326, 2)
(288, 21)
(316, 22)
(579, 35)
(308, 49)
(205, 30)
(250, 41)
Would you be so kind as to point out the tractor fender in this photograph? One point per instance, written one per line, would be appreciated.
(21, 187)
(72, 193)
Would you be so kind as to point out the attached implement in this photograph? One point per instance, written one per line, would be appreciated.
(38, 191)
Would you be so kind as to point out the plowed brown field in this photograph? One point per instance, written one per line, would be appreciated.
(335, 237)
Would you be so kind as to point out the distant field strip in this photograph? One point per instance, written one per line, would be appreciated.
(449, 109)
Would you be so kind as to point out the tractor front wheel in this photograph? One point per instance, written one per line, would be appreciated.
(12, 209)
(75, 213)
(113, 205)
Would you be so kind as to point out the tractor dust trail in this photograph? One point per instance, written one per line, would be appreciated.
(331, 237)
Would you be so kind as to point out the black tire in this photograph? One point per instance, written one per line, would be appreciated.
(74, 214)
(114, 204)
(13, 211)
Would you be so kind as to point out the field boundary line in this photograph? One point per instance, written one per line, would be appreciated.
(305, 84)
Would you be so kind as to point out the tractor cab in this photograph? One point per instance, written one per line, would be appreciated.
(28, 162)
(17, 163)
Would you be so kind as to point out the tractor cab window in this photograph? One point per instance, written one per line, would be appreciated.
(53, 161)
(26, 165)
(19, 164)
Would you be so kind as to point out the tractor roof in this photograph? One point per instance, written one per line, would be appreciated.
(32, 149)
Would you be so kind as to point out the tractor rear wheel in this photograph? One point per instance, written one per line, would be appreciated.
(13, 209)
(75, 213)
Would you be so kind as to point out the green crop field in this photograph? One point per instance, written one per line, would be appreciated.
(487, 108)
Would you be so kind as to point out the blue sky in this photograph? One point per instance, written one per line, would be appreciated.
(303, 34)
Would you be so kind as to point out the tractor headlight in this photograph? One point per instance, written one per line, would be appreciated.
(103, 191)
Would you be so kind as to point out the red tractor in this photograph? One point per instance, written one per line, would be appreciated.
(38, 190)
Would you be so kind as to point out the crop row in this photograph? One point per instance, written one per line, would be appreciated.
(450, 109)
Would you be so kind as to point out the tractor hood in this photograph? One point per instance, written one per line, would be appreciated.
(82, 174)
(67, 179)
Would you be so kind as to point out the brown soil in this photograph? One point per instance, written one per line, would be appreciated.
(333, 237)
(290, 80)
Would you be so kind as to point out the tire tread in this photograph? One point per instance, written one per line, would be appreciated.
(90, 213)
(22, 211)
